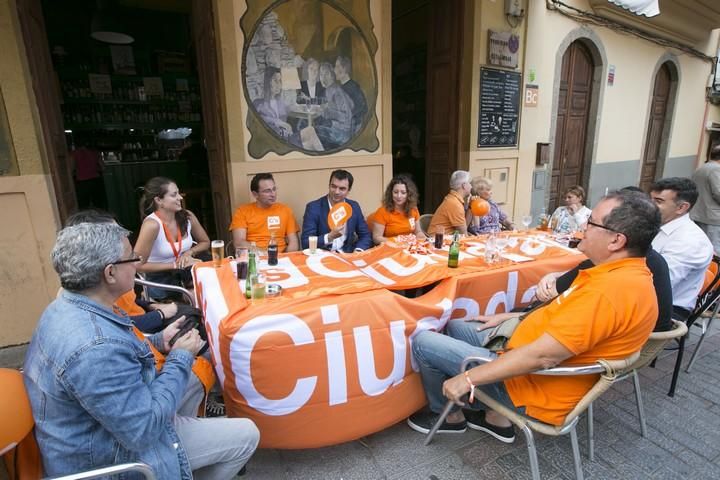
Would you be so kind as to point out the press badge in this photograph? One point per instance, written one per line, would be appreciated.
(273, 221)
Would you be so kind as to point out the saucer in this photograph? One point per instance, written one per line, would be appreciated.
(307, 252)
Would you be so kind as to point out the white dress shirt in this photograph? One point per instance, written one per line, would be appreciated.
(688, 252)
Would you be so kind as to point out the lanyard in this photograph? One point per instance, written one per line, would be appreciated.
(168, 236)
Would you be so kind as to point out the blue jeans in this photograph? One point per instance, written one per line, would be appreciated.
(440, 357)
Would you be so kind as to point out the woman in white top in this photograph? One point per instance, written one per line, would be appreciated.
(167, 234)
(574, 215)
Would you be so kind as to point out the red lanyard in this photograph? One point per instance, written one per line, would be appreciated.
(168, 236)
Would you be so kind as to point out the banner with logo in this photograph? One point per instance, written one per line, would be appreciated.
(330, 360)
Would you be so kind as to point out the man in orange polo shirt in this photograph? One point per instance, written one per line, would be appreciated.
(608, 312)
(450, 215)
(265, 217)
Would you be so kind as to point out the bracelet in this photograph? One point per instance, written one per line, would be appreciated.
(472, 387)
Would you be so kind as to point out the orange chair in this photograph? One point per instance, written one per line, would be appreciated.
(17, 441)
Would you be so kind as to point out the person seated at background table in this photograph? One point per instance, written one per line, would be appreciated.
(335, 126)
(573, 215)
(152, 316)
(311, 90)
(495, 219)
(555, 283)
(351, 236)
(167, 234)
(398, 215)
(265, 217)
(607, 313)
(684, 246)
(450, 215)
(95, 394)
(272, 108)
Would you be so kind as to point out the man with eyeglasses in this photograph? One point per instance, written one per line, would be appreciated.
(96, 395)
(450, 215)
(265, 217)
(683, 245)
(607, 313)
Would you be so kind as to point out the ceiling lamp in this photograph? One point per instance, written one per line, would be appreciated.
(105, 26)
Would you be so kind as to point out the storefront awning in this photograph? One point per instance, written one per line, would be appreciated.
(648, 8)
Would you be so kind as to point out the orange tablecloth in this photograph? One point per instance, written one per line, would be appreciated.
(330, 360)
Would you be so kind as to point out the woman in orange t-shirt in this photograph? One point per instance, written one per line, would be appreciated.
(398, 214)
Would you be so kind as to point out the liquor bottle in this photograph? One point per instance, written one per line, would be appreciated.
(454, 254)
(251, 272)
(272, 250)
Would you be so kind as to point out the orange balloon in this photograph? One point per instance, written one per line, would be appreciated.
(479, 207)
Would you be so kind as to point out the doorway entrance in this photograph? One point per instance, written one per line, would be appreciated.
(115, 116)
(427, 47)
(570, 159)
(658, 125)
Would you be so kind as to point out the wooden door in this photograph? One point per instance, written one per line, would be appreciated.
(656, 123)
(443, 87)
(572, 121)
(46, 89)
(206, 50)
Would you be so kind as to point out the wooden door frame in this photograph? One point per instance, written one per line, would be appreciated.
(594, 45)
(674, 69)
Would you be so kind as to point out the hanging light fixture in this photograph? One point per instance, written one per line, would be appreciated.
(106, 27)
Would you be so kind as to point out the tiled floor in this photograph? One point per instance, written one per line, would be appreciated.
(683, 441)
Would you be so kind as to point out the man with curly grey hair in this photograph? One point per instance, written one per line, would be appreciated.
(96, 396)
(450, 215)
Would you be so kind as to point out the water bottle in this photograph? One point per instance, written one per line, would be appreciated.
(272, 250)
(454, 254)
(251, 272)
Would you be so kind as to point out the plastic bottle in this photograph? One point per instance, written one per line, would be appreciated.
(272, 250)
(251, 272)
(454, 254)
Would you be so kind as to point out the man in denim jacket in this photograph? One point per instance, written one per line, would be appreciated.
(96, 397)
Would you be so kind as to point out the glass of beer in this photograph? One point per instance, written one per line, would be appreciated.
(312, 243)
(218, 252)
(258, 286)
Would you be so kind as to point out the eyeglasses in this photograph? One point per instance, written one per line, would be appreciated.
(590, 222)
(136, 258)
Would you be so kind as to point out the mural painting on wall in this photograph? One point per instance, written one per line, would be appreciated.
(309, 76)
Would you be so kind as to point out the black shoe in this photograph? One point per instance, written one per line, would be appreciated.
(476, 421)
(424, 420)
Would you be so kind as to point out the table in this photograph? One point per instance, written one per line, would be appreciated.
(330, 361)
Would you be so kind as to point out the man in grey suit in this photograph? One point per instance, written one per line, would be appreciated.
(706, 212)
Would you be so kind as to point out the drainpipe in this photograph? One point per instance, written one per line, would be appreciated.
(703, 127)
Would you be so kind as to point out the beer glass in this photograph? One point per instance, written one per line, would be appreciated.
(218, 252)
(312, 243)
(258, 286)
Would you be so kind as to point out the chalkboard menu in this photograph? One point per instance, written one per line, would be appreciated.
(499, 108)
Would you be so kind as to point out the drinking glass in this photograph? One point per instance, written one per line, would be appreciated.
(501, 241)
(218, 252)
(241, 256)
(526, 221)
(258, 286)
(312, 243)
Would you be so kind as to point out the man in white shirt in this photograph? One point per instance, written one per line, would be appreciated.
(685, 247)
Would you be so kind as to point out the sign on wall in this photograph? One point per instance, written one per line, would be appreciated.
(503, 49)
(499, 113)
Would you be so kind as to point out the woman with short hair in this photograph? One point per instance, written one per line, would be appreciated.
(492, 222)
(573, 215)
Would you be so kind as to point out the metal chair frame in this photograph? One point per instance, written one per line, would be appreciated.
(425, 220)
(606, 368)
(187, 295)
(706, 300)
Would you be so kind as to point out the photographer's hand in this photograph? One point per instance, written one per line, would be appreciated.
(169, 332)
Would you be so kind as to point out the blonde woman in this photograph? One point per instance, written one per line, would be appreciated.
(495, 220)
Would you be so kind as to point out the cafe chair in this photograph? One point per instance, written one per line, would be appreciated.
(425, 220)
(709, 295)
(18, 447)
(706, 318)
(608, 370)
(186, 295)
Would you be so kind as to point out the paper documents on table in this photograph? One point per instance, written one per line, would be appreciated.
(514, 257)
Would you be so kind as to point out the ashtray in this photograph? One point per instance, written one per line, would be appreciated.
(273, 290)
